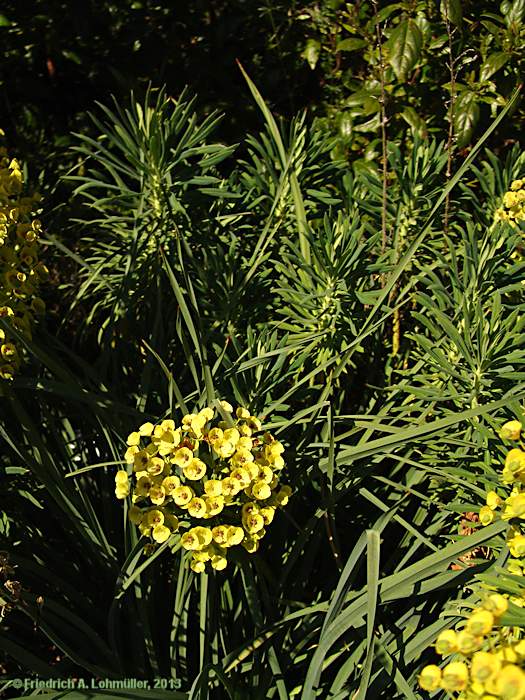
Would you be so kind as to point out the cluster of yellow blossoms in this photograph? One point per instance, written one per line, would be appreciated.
(219, 483)
(20, 270)
(513, 209)
(489, 657)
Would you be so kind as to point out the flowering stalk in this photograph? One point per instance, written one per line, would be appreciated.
(20, 270)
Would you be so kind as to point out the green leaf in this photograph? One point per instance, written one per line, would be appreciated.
(492, 64)
(72, 56)
(351, 44)
(372, 588)
(4, 22)
(311, 52)
(346, 124)
(416, 123)
(466, 115)
(404, 48)
(451, 9)
(512, 11)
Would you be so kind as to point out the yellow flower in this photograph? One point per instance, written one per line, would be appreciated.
(230, 487)
(133, 439)
(141, 459)
(515, 461)
(484, 665)
(242, 477)
(157, 495)
(517, 545)
(195, 470)
(121, 477)
(242, 412)
(515, 507)
(253, 523)
(197, 507)
(197, 566)
(480, 622)
(202, 554)
(224, 449)
(170, 483)
(122, 491)
(496, 604)
(208, 413)
(447, 643)
(430, 678)
(168, 424)
(511, 430)
(234, 536)
(254, 423)
(160, 533)
(194, 422)
(130, 454)
(154, 518)
(510, 199)
(214, 505)
(250, 508)
(167, 439)
(204, 535)
(220, 534)
(213, 488)
(510, 683)
(267, 514)
(241, 457)
(182, 495)
(190, 541)
(493, 500)
(215, 435)
(143, 486)
(486, 515)
(261, 491)
(7, 371)
(519, 648)
(232, 435)
(245, 444)
(182, 457)
(455, 676)
(219, 563)
(8, 351)
(507, 654)
(155, 466)
(468, 642)
(250, 475)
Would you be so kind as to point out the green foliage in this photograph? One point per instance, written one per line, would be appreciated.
(485, 53)
(259, 274)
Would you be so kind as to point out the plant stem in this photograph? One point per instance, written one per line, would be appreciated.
(450, 139)
(383, 130)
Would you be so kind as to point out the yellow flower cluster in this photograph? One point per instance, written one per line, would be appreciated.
(489, 660)
(513, 209)
(486, 664)
(215, 479)
(20, 270)
(510, 506)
